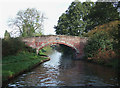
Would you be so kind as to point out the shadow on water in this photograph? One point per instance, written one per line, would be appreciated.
(63, 70)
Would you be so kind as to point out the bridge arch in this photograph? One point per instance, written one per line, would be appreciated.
(57, 42)
(75, 42)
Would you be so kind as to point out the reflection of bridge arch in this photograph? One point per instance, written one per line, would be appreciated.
(57, 42)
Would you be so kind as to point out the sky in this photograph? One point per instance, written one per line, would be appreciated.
(52, 9)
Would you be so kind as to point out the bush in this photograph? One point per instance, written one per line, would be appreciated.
(103, 46)
(12, 46)
(99, 41)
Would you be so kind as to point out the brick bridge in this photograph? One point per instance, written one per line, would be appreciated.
(75, 42)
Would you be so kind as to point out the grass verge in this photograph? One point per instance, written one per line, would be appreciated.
(14, 65)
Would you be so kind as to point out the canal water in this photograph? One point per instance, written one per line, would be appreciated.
(66, 71)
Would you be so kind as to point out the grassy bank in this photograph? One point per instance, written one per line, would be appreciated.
(15, 64)
(18, 58)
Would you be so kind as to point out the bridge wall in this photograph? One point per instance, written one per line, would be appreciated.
(74, 42)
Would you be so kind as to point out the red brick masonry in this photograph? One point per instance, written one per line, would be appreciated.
(75, 42)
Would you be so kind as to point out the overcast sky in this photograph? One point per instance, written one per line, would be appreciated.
(52, 9)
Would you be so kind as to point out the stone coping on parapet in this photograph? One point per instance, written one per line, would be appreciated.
(55, 35)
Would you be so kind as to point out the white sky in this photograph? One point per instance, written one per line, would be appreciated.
(52, 9)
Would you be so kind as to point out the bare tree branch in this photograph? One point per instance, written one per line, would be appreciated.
(28, 21)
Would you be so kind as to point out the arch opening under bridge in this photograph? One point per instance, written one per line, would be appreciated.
(57, 42)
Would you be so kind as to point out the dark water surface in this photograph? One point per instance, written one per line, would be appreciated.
(65, 71)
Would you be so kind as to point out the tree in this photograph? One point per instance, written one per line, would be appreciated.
(28, 22)
(71, 22)
(101, 13)
(6, 35)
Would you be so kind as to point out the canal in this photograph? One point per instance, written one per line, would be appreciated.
(65, 71)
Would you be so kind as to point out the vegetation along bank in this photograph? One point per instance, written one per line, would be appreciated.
(19, 58)
(103, 44)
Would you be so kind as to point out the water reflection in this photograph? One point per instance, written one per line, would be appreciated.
(55, 60)
(65, 71)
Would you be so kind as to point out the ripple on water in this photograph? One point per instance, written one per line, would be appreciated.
(22, 82)
(21, 77)
(40, 77)
(17, 82)
(24, 74)
(11, 85)
(61, 73)
(45, 80)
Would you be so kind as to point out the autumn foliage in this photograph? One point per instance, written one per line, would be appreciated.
(103, 44)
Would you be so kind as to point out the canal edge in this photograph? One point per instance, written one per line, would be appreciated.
(4, 83)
